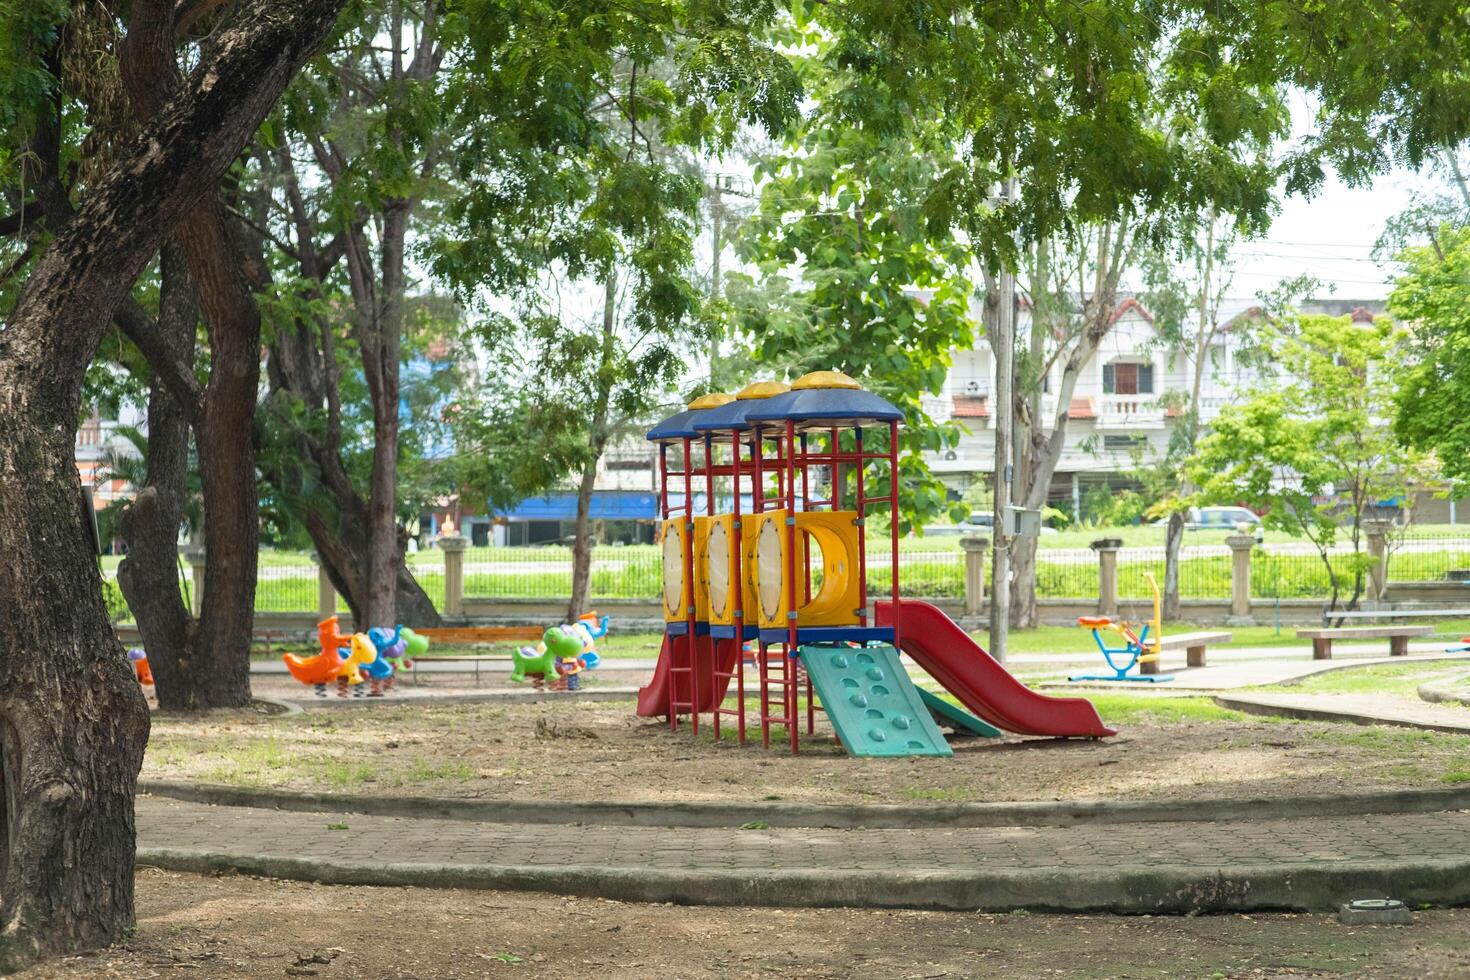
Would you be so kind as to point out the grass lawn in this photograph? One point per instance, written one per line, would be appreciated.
(1392, 679)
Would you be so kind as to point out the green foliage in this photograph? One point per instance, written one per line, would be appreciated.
(1433, 397)
(582, 133)
(1311, 450)
(112, 598)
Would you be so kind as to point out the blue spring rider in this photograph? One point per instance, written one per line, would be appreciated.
(1139, 646)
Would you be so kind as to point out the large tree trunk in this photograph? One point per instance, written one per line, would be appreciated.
(226, 459)
(149, 575)
(225, 414)
(73, 722)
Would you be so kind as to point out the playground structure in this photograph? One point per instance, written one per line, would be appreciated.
(1140, 645)
(765, 499)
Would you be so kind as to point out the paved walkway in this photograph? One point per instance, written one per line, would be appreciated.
(1167, 866)
(1358, 709)
(244, 830)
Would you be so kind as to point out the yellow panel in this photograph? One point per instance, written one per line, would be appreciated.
(701, 581)
(765, 568)
(837, 600)
(678, 594)
(722, 568)
(824, 379)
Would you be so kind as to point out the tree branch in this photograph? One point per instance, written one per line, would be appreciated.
(146, 335)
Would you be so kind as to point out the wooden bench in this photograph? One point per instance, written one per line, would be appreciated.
(459, 635)
(1397, 636)
(1194, 649)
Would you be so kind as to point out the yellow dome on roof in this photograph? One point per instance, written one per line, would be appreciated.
(712, 400)
(763, 389)
(824, 379)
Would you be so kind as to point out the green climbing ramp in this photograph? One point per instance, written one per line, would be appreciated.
(952, 716)
(870, 701)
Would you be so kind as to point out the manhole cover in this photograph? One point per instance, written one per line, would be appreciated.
(1375, 904)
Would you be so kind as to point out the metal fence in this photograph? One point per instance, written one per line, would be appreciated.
(1284, 570)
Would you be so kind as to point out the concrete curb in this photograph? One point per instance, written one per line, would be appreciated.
(838, 817)
(288, 708)
(1158, 889)
(1304, 713)
(1446, 694)
(523, 697)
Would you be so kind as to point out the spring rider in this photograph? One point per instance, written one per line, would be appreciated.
(1139, 645)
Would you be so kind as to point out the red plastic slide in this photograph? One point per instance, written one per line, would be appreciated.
(653, 700)
(962, 666)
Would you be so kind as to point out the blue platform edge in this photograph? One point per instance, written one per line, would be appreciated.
(872, 703)
(1134, 678)
(728, 632)
(681, 628)
(830, 634)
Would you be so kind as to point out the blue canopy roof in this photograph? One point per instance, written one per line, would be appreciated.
(680, 426)
(729, 418)
(813, 407)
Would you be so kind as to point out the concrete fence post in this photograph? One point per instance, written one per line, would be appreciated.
(1240, 579)
(453, 547)
(1107, 574)
(1378, 558)
(326, 592)
(975, 547)
(195, 556)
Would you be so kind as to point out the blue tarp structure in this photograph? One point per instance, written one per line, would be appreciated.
(607, 505)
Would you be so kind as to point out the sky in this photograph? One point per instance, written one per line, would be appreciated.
(1330, 237)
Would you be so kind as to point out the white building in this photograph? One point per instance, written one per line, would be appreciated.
(1119, 410)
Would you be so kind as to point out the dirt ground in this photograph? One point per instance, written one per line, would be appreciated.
(601, 751)
(208, 927)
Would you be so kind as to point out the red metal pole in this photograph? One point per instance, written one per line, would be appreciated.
(788, 666)
(862, 519)
(758, 505)
(738, 598)
(689, 582)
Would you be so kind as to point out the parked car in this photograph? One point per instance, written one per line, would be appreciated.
(1220, 519)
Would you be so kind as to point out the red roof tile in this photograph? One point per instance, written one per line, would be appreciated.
(971, 407)
(1082, 408)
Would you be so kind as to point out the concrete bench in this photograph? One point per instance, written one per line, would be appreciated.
(1397, 636)
(1193, 645)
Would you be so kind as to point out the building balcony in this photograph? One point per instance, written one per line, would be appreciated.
(1129, 411)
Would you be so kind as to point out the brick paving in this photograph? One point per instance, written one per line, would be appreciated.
(1222, 845)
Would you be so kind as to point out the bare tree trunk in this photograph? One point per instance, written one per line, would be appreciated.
(1024, 612)
(582, 542)
(73, 722)
(1173, 538)
(582, 547)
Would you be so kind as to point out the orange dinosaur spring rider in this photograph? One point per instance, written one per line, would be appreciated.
(322, 669)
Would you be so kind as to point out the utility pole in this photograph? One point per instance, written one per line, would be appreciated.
(1004, 346)
(716, 211)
